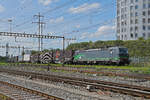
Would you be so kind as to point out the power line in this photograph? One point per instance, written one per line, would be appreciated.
(89, 27)
(58, 7)
(82, 16)
(76, 10)
(61, 6)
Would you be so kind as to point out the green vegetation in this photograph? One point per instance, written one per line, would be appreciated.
(45, 50)
(3, 97)
(139, 69)
(137, 48)
(145, 70)
(3, 59)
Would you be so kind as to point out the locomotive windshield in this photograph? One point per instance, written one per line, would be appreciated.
(123, 50)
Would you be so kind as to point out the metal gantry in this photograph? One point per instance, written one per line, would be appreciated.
(25, 35)
(29, 35)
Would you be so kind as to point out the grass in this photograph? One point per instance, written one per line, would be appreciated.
(145, 70)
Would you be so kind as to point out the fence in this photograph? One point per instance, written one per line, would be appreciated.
(140, 61)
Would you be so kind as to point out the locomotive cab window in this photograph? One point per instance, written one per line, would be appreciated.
(123, 51)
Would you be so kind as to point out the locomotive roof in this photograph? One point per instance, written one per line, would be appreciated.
(102, 48)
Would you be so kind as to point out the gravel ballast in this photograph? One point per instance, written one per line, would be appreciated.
(95, 77)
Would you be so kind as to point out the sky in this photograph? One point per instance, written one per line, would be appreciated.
(84, 20)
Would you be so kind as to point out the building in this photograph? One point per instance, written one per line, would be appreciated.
(133, 19)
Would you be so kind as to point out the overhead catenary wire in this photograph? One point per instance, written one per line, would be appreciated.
(58, 7)
(67, 12)
(89, 27)
(100, 11)
(75, 30)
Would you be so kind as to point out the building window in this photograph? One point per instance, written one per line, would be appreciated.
(136, 21)
(118, 31)
(131, 29)
(136, 7)
(131, 14)
(136, 13)
(144, 13)
(144, 35)
(122, 23)
(144, 6)
(149, 5)
(125, 30)
(144, 20)
(144, 28)
(122, 37)
(149, 12)
(136, 28)
(122, 30)
(148, 34)
(131, 35)
(148, 20)
(136, 35)
(149, 27)
(131, 21)
(125, 22)
(131, 7)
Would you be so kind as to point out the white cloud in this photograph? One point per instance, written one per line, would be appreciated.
(104, 30)
(46, 2)
(84, 8)
(84, 35)
(57, 20)
(24, 1)
(78, 26)
(1, 8)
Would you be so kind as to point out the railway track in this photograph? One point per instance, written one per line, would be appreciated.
(91, 71)
(16, 92)
(133, 90)
(135, 76)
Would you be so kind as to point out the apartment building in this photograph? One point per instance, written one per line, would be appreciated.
(133, 19)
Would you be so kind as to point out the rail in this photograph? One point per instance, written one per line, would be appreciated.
(103, 85)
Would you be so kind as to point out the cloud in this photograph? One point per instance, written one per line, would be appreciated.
(84, 8)
(1, 8)
(24, 1)
(78, 26)
(84, 35)
(57, 20)
(46, 2)
(104, 30)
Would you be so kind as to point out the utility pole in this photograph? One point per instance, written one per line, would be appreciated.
(10, 26)
(23, 53)
(40, 23)
(63, 51)
(7, 49)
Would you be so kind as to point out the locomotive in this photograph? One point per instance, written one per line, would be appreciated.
(109, 55)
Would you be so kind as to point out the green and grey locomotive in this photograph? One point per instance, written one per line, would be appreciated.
(111, 55)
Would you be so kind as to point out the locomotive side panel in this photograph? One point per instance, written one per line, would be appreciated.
(101, 56)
